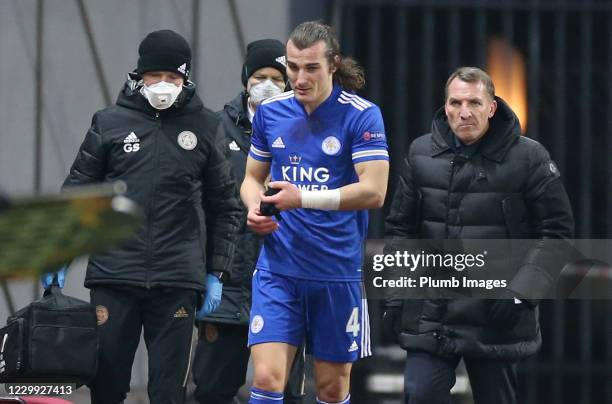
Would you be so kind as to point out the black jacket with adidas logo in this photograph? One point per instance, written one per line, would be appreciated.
(175, 172)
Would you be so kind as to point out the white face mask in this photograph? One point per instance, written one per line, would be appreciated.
(161, 95)
(262, 91)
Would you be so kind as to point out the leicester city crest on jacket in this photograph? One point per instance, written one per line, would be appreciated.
(187, 140)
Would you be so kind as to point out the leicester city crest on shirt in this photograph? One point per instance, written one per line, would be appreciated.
(187, 140)
(331, 145)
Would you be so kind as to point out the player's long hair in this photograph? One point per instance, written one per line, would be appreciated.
(349, 74)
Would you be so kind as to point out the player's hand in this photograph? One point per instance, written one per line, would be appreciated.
(260, 224)
(288, 198)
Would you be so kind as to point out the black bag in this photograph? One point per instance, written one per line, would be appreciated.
(54, 339)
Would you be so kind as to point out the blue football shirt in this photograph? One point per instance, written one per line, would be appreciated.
(317, 152)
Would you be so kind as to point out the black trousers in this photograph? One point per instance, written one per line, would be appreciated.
(220, 365)
(167, 317)
(429, 378)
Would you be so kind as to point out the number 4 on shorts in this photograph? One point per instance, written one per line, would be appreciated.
(352, 326)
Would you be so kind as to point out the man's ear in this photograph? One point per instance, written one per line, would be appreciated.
(334, 68)
(493, 109)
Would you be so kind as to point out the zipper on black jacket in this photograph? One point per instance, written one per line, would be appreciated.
(151, 202)
(448, 196)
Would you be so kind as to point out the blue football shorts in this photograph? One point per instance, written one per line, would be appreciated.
(332, 317)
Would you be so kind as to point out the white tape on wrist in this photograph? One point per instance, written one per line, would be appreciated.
(328, 199)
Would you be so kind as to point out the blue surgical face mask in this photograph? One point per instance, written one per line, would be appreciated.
(162, 94)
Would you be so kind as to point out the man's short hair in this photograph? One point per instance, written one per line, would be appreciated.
(471, 75)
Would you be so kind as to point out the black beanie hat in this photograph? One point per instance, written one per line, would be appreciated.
(264, 53)
(164, 50)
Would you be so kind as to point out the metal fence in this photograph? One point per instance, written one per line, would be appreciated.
(410, 47)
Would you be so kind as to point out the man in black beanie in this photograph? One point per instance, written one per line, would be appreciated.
(222, 354)
(264, 53)
(164, 50)
(160, 140)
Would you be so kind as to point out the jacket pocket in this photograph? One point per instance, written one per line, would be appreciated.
(412, 310)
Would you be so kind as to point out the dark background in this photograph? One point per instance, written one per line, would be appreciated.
(409, 49)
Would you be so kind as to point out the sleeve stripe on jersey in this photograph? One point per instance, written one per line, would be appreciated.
(260, 153)
(370, 153)
(357, 104)
(349, 102)
(344, 97)
(281, 96)
(355, 98)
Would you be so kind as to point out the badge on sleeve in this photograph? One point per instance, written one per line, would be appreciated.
(257, 324)
(211, 332)
(101, 314)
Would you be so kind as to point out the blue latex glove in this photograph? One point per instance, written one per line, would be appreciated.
(212, 300)
(47, 278)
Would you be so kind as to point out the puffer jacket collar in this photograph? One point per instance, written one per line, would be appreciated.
(504, 131)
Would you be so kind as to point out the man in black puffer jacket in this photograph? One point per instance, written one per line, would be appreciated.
(160, 140)
(222, 354)
(475, 177)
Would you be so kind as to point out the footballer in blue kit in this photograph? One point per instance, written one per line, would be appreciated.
(325, 149)
(317, 152)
